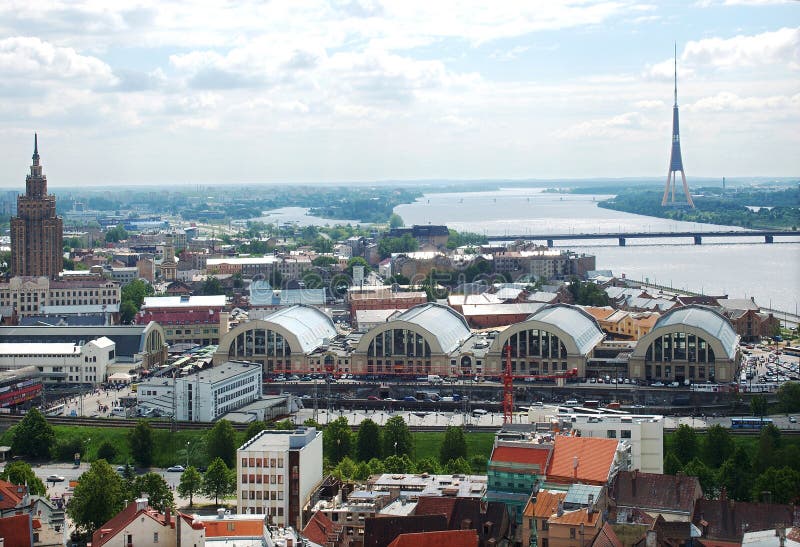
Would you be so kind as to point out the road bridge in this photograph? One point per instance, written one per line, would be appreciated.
(622, 237)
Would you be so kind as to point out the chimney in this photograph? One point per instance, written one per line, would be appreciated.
(141, 503)
(167, 515)
(634, 473)
(560, 509)
(650, 540)
(590, 505)
(221, 513)
(575, 467)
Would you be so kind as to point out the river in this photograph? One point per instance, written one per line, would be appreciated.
(741, 268)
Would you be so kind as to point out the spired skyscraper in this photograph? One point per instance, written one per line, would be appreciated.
(37, 234)
(675, 160)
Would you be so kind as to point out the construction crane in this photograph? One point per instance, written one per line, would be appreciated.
(508, 384)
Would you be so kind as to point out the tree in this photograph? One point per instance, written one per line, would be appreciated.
(219, 481)
(368, 443)
(324, 261)
(454, 445)
(783, 484)
(33, 436)
(429, 465)
(708, 480)
(685, 444)
(458, 465)
(127, 311)
(322, 244)
(717, 446)
(106, 451)
(789, 397)
(140, 440)
(397, 438)
(357, 261)
(253, 429)
(159, 496)
(395, 221)
(283, 425)
(671, 464)
(769, 441)
(399, 464)
(758, 405)
(20, 472)
(345, 470)
(736, 475)
(221, 443)
(97, 497)
(337, 440)
(376, 466)
(211, 286)
(362, 471)
(191, 484)
(116, 234)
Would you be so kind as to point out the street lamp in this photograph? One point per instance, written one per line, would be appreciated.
(395, 448)
(187, 454)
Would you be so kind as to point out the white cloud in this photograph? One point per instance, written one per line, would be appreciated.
(730, 102)
(32, 59)
(615, 126)
(776, 47)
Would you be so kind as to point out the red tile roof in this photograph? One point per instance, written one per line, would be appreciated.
(594, 458)
(16, 531)
(534, 455)
(607, 537)
(545, 505)
(318, 528)
(118, 522)
(450, 538)
(436, 505)
(10, 494)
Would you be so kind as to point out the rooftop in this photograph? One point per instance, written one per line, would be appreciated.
(582, 459)
(583, 328)
(448, 326)
(705, 319)
(215, 300)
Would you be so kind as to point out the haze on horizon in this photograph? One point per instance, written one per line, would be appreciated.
(164, 92)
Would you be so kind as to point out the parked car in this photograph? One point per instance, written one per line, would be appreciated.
(55, 478)
(372, 398)
(176, 469)
(657, 384)
(792, 420)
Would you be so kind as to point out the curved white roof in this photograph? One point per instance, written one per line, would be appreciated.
(309, 325)
(704, 319)
(574, 321)
(447, 325)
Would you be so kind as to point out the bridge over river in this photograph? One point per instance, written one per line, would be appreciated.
(622, 237)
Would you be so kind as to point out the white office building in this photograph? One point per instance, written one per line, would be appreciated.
(62, 362)
(205, 395)
(277, 473)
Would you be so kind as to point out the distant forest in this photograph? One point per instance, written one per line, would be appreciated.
(776, 209)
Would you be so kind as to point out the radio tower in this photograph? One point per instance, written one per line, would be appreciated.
(675, 161)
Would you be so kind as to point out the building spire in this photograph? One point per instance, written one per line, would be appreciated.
(35, 149)
(676, 74)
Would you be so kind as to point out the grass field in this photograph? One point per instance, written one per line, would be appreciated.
(427, 444)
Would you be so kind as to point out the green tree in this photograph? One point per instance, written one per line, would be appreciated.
(395, 221)
(116, 234)
(758, 405)
(140, 440)
(311, 422)
(783, 484)
(454, 445)
(221, 443)
(789, 397)
(399, 464)
(429, 465)
(362, 471)
(253, 429)
(322, 244)
(159, 496)
(97, 497)
(127, 311)
(397, 439)
(324, 261)
(357, 261)
(337, 440)
(736, 475)
(346, 469)
(685, 444)
(282, 425)
(20, 472)
(211, 286)
(219, 481)
(33, 436)
(191, 484)
(769, 442)
(717, 445)
(458, 465)
(708, 480)
(106, 451)
(368, 443)
(671, 463)
(376, 466)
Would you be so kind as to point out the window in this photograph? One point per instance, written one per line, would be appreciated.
(625, 434)
(572, 533)
(545, 525)
(155, 537)
(611, 434)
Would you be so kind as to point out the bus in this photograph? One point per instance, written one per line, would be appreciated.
(57, 410)
(750, 423)
(792, 350)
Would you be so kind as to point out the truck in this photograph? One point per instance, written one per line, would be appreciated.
(434, 379)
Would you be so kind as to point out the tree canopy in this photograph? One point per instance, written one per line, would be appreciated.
(191, 484)
(141, 443)
(159, 495)
(219, 481)
(397, 438)
(454, 445)
(337, 440)
(221, 443)
(98, 496)
(33, 436)
(368, 443)
(20, 472)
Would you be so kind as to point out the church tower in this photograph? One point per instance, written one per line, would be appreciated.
(675, 160)
(37, 234)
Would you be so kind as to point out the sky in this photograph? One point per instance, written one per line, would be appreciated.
(177, 91)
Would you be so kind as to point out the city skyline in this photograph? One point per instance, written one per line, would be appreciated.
(368, 91)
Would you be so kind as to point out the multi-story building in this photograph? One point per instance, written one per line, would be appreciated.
(169, 266)
(27, 296)
(187, 319)
(289, 267)
(543, 264)
(205, 395)
(62, 362)
(277, 473)
(36, 231)
(514, 471)
(382, 298)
